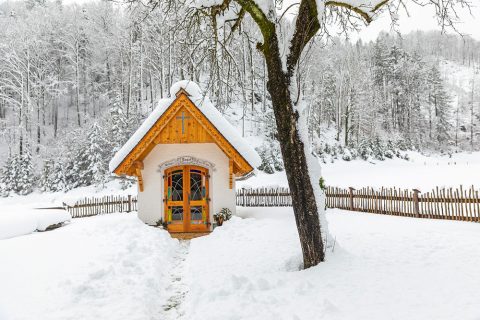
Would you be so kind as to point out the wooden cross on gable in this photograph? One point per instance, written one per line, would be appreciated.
(183, 121)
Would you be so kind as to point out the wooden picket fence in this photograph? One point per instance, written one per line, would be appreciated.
(440, 203)
(264, 197)
(95, 206)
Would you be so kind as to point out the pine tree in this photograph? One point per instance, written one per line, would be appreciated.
(45, 182)
(26, 179)
(440, 108)
(92, 161)
(6, 176)
(266, 165)
(53, 176)
(118, 124)
(18, 174)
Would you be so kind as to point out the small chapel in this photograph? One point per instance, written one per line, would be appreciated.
(186, 157)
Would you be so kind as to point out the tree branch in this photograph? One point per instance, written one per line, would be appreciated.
(307, 25)
(267, 27)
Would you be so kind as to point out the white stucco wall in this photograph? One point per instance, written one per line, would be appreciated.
(150, 201)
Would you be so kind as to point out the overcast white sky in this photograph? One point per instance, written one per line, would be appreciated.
(422, 18)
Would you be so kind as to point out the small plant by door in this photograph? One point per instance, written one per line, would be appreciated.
(186, 199)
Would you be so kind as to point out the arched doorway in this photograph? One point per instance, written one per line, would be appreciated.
(186, 197)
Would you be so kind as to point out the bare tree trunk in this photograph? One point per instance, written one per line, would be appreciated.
(151, 90)
(141, 67)
(456, 125)
(37, 149)
(130, 62)
(77, 85)
(294, 157)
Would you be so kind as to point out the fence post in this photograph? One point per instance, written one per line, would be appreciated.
(129, 203)
(415, 202)
(351, 198)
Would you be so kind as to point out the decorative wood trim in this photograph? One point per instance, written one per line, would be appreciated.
(230, 173)
(182, 91)
(148, 142)
(186, 160)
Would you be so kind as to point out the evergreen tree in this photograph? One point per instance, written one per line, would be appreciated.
(440, 108)
(45, 182)
(92, 160)
(118, 125)
(53, 176)
(25, 177)
(18, 174)
(7, 177)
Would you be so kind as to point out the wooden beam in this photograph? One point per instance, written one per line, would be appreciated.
(230, 173)
(138, 165)
(182, 90)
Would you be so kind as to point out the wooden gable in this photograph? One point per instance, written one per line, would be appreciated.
(184, 128)
(182, 122)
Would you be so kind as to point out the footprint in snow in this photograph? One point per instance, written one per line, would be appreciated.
(172, 309)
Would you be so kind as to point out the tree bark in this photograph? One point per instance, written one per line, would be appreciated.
(294, 157)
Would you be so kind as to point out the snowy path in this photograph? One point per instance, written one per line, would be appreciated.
(173, 308)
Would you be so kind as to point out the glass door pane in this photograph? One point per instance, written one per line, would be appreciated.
(175, 211)
(195, 185)
(176, 186)
(198, 197)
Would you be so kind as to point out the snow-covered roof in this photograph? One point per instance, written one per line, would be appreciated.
(208, 110)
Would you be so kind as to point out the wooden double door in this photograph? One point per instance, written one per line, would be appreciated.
(186, 199)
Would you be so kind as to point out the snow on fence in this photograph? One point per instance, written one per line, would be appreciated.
(440, 203)
(109, 204)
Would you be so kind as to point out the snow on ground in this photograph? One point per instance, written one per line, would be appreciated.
(105, 267)
(382, 267)
(421, 172)
(116, 267)
(16, 222)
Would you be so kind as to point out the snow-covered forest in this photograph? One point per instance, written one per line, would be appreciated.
(77, 80)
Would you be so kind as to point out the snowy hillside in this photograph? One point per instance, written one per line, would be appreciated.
(420, 172)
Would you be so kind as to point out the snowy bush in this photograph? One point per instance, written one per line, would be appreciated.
(365, 150)
(347, 156)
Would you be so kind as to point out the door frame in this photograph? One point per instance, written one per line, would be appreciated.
(187, 226)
